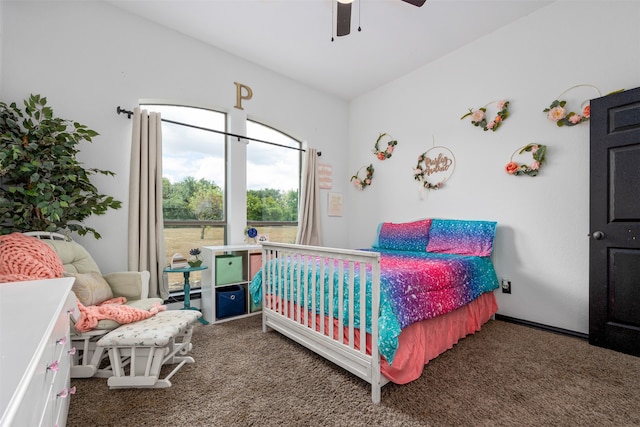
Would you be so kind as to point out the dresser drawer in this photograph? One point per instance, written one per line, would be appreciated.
(42, 369)
(60, 403)
(51, 377)
(32, 408)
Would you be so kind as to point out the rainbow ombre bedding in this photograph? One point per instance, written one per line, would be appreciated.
(414, 286)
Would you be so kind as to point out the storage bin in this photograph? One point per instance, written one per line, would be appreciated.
(230, 301)
(228, 269)
(255, 264)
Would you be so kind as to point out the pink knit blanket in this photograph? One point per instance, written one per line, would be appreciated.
(27, 258)
(113, 309)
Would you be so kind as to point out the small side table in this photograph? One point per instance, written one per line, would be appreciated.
(187, 287)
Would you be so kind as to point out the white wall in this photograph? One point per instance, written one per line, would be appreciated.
(87, 58)
(541, 242)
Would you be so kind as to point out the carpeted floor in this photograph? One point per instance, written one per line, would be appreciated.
(505, 375)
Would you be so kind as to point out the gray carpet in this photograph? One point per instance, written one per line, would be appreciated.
(505, 375)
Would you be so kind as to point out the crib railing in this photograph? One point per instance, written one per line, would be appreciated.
(319, 297)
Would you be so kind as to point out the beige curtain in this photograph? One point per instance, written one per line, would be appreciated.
(309, 232)
(146, 230)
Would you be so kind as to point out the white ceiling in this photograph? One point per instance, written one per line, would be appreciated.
(293, 37)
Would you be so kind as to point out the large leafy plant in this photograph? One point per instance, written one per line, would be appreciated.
(42, 184)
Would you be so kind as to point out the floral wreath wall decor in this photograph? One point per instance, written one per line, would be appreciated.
(557, 112)
(538, 151)
(388, 151)
(362, 183)
(479, 116)
(435, 166)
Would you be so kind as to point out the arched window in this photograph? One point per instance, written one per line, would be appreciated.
(194, 184)
(273, 182)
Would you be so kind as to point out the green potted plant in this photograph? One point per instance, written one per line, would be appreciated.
(43, 187)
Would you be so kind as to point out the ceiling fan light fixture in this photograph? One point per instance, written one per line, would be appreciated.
(343, 17)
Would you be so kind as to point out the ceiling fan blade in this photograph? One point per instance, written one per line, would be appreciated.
(415, 2)
(343, 19)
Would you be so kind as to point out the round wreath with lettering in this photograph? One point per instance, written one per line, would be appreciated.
(538, 151)
(362, 183)
(479, 116)
(388, 151)
(427, 166)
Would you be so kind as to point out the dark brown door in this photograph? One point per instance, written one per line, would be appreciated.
(614, 249)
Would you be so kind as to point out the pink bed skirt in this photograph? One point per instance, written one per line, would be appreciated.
(423, 341)
(420, 342)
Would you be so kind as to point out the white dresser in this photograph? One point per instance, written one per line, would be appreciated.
(35, 351)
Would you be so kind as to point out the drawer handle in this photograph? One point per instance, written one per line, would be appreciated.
(62, 341)
(64, 393)
(53, 367)
(72, 351)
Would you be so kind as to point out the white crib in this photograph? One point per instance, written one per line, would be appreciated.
(337, 344)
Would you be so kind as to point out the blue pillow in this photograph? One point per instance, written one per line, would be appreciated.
(462, 237)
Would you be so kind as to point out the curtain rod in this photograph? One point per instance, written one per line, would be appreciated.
(130, 113)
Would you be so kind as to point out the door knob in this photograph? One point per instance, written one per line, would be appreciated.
(598, 235)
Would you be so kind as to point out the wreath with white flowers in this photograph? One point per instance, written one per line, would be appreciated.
(362, 183)
(479, 116)
(538, 151)
(388, 151)
(427, 166)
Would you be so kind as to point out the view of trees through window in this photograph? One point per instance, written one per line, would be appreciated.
(273, 182)
(192, 199)
(193, 184)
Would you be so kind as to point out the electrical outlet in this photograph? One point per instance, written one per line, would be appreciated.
(506, 286)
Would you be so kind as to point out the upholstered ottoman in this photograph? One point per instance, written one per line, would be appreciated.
(137, 351)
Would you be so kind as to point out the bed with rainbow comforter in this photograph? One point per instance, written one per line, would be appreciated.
(422, 270)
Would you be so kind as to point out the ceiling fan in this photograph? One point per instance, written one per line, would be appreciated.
(343, 15)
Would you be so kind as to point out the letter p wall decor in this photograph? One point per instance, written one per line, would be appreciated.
(242, 92)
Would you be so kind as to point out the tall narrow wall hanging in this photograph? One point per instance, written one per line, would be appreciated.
(479, 116)
(388, 150)
(435, 166)
(362, 183)
(538, 151)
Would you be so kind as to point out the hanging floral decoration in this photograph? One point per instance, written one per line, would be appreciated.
(361, 183)
(443, 162)
(539, 153)
(479, 116)
(559, 113)
(388, 151)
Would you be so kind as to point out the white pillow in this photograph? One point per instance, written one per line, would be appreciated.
(90, 288)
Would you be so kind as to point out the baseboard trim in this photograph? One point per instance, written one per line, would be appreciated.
(542, 327)
(178, 296)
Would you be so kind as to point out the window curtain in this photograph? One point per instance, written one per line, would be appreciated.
(146, 228)
(309, 232)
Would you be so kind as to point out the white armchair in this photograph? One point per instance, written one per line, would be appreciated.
(132, 285)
